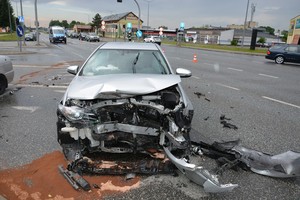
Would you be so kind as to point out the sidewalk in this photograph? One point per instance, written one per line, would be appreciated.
(13, 48)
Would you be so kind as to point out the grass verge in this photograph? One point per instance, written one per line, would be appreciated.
(245, 49)
(8, 37)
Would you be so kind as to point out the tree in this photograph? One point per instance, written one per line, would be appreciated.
(97, 21)
(269, 29)
(164, 27)
(285, 35)
(72, 24)
(4, 14)
(55, 23)
(64, 23)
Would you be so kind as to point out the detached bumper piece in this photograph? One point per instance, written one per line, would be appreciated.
(199, 175)
(284, 165)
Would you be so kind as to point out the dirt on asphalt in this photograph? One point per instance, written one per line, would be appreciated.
(41, 180)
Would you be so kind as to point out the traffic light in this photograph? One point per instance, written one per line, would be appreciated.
(17, 21)
(129, 36)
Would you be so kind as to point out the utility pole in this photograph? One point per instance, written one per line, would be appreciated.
(22, 23)
(36, 24)
(245, 24)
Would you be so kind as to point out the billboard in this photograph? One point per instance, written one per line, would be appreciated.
(297, 26)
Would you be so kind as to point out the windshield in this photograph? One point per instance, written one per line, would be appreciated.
(125, 61)
(58, 31)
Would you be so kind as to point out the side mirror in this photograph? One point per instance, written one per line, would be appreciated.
(183, 73)
(73, 69)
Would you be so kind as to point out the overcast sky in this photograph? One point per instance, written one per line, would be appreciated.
(170, 13)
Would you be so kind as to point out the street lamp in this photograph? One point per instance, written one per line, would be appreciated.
(148, 1)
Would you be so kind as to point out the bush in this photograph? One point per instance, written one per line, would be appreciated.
(261, 40)
(234, 42)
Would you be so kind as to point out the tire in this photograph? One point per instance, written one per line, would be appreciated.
(279, 60)
(3, 84)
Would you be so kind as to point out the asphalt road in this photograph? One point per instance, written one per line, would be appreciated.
(260, 97)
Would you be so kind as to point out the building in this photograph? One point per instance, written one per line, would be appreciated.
(78, 28)
(115, 25)
(249, 25)
(209, 35)
(294, 31)
(227, 36)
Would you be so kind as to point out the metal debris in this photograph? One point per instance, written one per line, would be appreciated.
(199, 94)
(226, 124)
(129, 176)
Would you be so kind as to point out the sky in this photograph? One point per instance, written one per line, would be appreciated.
(169, 13)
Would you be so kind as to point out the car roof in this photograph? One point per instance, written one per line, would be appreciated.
(129, 45)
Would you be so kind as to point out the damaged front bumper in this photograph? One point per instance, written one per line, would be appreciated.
(199, 175)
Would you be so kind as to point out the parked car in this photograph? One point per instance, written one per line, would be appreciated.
(92, 37)
(6, 73)
(74, 35)
(155, 39)
(30, 37)
(284, 53)
(82, 36)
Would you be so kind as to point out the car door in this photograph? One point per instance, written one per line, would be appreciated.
(291, 54)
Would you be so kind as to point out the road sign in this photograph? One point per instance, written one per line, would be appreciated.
(181, 27)
(139, 33)
(21, 19)
(20, 31)
(102, 27)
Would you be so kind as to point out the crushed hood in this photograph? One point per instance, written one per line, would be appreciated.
(89, 87)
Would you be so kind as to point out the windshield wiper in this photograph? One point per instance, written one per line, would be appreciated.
(134, 62)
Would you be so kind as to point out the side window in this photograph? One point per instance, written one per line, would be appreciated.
(51, 31)
(292, 49)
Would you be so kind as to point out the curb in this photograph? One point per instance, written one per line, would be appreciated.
(12, 49)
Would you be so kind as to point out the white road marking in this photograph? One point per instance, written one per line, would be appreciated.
(32, 66)
(42, 86)
(282, 102)
(76, 54)
(266, 75)
(60, 91)
(239, 70)
(196, 77)
(27, 108)
(227, 86)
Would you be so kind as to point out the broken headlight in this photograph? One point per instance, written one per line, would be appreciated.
(72, 113)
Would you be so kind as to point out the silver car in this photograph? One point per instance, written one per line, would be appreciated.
(126, 99)
(127, 91)
(6, 73)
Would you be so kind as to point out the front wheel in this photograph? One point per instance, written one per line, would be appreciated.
(3, 85)
(279, 60)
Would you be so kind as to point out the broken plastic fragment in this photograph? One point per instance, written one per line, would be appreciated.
(199, 175)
